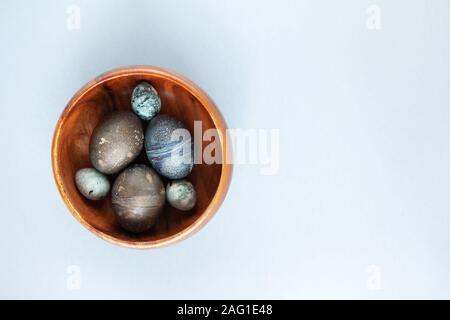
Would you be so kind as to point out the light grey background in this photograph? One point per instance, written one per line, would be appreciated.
(364, 120)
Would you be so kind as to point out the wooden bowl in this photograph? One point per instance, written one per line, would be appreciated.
(180, 98)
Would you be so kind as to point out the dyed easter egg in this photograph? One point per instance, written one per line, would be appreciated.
(145, 101)
(116, 142)
(92, 184)
(168, 145)
(138, 197)
(181, 195)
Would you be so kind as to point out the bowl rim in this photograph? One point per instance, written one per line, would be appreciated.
(219, 123)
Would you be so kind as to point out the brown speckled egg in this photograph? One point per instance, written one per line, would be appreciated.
(138, 198)
(116, 142)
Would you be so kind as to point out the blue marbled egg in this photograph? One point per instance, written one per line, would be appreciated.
(168, 145)
(145, 101)
(92, 183)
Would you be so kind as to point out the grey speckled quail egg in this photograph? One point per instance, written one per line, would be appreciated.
(145, 101)
(181, 195)
(92, 184)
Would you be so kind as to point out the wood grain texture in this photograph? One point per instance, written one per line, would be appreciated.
(182, 99)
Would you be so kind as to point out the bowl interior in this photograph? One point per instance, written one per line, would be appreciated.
(76, 126)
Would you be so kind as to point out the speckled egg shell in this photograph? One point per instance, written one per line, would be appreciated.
(145, 101)
(181, 195)
(138, 197)
(164, 147)
(92, 184)
(116, 142)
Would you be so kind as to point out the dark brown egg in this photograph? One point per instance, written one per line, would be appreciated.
(116, 142)
(138, 197)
